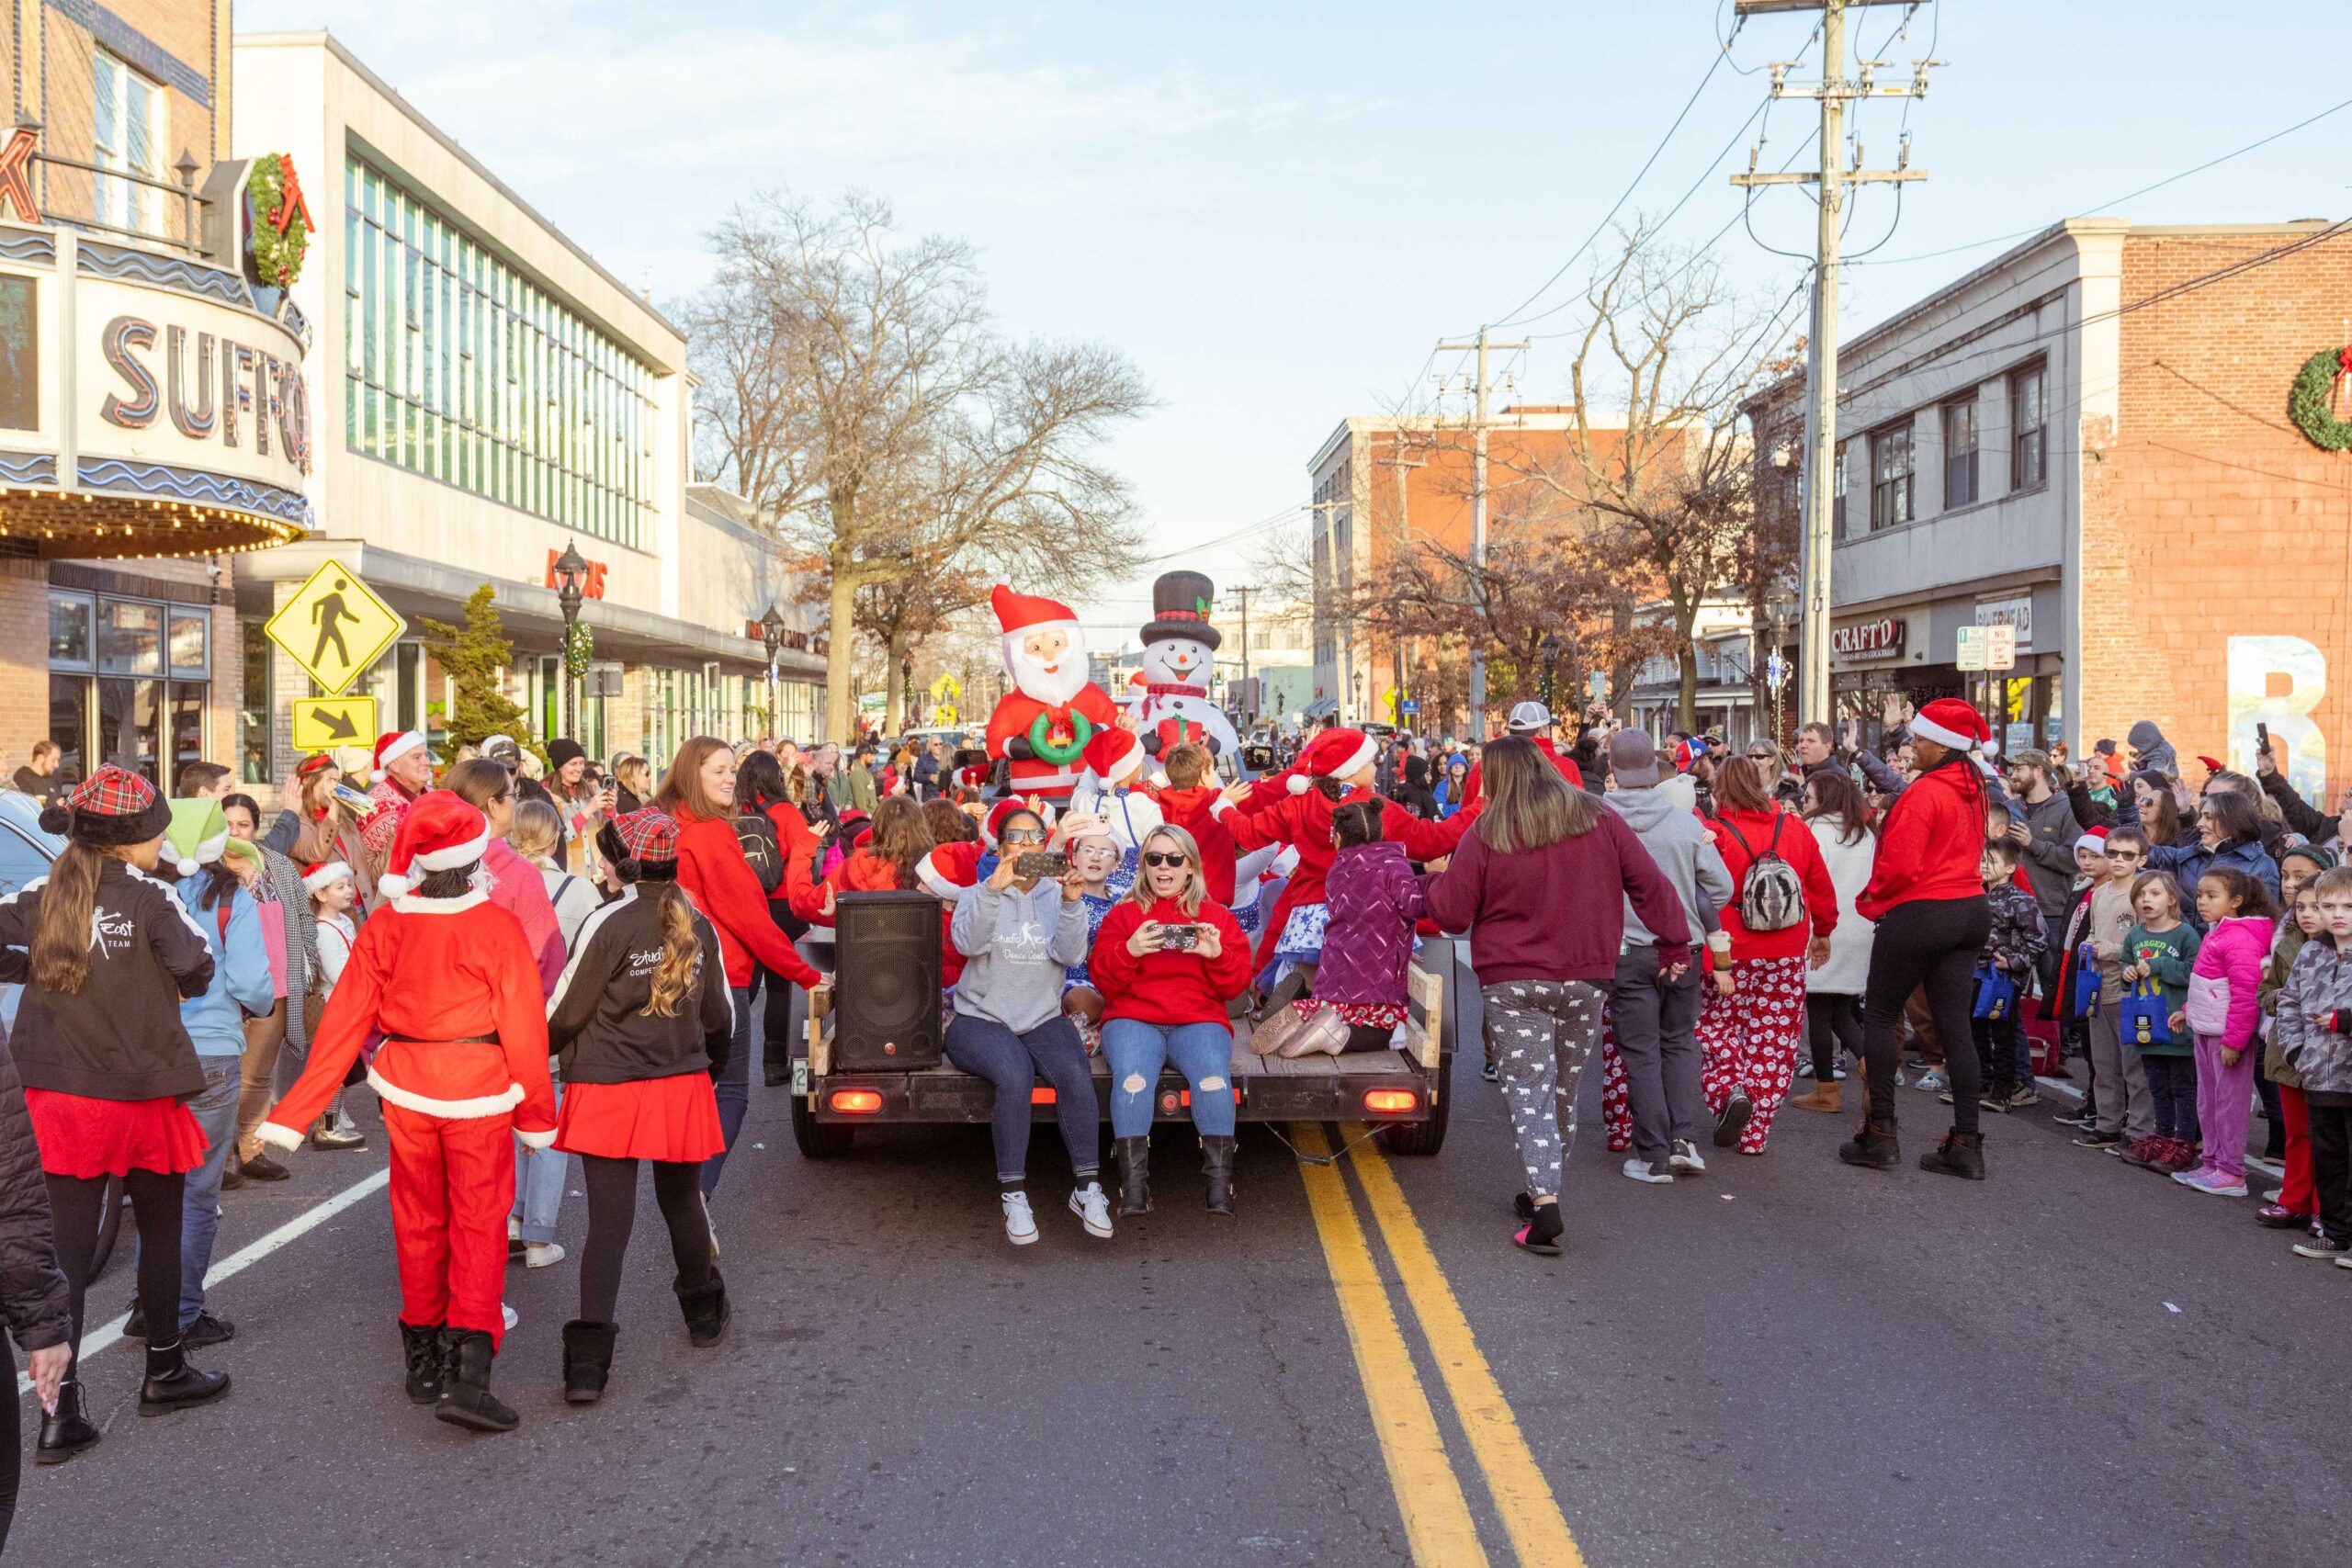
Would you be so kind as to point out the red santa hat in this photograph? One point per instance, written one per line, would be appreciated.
(993, 824)
(1112, 757)
(949, 869)
(1334, 754)
(1020, 613)
(2094, 840)
(440, 831)
(319, 876)
(395, 743)
(1948, 721)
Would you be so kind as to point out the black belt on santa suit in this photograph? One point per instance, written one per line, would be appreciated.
(459, 1039)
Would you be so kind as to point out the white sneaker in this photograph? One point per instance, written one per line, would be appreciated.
(1020, 1224)
(1685, 1160)
(514, 1227)
(512, 1317)
(1092, 1207)
(542, 1253)
(1638, 1169)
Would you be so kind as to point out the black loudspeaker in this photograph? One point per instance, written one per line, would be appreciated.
(886, 1007)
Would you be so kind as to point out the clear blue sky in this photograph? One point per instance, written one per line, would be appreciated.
(1277, 209)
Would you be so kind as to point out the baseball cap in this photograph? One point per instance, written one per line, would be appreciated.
(1530, 715)
(1633, 759)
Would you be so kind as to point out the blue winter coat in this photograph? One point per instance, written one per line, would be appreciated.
(2189, 863)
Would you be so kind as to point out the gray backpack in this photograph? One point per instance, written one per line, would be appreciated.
(1772, 896)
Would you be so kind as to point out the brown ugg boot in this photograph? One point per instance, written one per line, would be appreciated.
(1829, 1097)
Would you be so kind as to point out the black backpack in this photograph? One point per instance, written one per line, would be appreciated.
(755, 836)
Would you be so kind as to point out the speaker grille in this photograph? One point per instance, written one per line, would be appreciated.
(887, 952)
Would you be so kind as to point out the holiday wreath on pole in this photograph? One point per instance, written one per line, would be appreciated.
(2313, 403)
(280, 220)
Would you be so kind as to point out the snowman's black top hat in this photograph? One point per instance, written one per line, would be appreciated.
(1181, 603)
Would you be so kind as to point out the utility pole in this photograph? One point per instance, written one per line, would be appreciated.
(1343, 637)
(1404, 466)
(1821, 348)
(1479, 425)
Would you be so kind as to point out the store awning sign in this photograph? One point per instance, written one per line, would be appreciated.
(334, 627)
(1878, 638)
(321, 724)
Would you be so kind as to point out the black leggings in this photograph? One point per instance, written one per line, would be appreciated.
(1832, 1020)
(75, 1204)
(612, 1213)
(1932, 943)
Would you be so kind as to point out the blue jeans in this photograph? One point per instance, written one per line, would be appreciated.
(1202, 1052)
(216, 1111)
(734, 1088)
(538, 1186)
(1014, 1063)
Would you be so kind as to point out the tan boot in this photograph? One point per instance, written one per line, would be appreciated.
(1829, 1097)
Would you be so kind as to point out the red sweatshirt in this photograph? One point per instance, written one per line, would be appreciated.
(516, 886)
(1302, 821)
(1470, 794)
(1743, 835)
(1167, 986)
(1930, 842)
(712, 870)
(1195, 811)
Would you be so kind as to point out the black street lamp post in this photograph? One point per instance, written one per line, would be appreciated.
(772, 630)
(570, 580)
(1551, 663)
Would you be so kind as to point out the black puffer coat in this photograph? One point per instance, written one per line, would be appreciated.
(32, 1291)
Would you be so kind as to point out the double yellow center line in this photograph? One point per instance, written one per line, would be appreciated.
(1430, 1494)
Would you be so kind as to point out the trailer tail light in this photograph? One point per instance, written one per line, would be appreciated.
(857, 1102)
(1184, 1097)
(1041, 1095)
(1390, 1101)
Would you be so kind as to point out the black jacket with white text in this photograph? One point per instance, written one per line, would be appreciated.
(596, 1017)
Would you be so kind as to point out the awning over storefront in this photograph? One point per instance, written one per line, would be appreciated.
(1321, 708)
(148, 407)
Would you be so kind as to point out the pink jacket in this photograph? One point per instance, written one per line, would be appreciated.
(2225, 982)
(517, 887)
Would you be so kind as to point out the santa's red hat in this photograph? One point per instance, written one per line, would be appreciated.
(1025, 613)
(395, 743)
(440, 831)
(1948, 721)
(1334, 754)
(2093, 838)
(1112, 757)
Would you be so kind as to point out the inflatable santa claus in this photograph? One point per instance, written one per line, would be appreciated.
(1043, 725)
(1180, 647)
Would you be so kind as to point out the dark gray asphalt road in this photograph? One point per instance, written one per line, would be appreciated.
(1788, 1362)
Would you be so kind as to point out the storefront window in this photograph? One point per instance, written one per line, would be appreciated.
(69, 629)
(129, 721)
(109, 700)
(130, 637)
(69, 725)
(256, 742)
(190, 630)
(187, 725)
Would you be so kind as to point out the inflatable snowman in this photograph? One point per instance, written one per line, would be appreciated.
(1178, 658)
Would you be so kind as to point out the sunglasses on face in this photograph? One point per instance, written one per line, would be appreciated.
(1025, 836)
(1169, 861)
(1759, 756)
(2125, 854)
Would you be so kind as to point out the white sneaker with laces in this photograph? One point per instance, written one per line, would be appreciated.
(542, 1253)
(1092, 1207)
(1020, 1224)
(1685, 1159)
(1638, 1169)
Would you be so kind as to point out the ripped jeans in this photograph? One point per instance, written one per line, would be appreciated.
(1202, 1052)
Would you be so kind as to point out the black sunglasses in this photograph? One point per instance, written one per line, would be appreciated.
(1157, 857)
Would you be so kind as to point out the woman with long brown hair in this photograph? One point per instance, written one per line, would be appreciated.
(1537, 882)
(642, 1019)
(108, 954)
(889, 860)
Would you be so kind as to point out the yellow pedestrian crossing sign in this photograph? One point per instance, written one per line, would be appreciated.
(334, 627)
(321, 724)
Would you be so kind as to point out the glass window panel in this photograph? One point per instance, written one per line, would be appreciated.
(130, 637)
(69, 630)
(186, 721)
(189, 630)
(69, 725)
(130, 725)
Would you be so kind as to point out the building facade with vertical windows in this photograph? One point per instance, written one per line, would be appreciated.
(489, 394)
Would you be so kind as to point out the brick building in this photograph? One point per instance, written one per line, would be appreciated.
(2087, 438)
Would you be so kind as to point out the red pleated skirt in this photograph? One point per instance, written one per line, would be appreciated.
(675, 1118)
(81, 1136)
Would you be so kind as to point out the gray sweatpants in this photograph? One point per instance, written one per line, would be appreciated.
(1654, 1021)
(2119, 1080)
(1539, 1034)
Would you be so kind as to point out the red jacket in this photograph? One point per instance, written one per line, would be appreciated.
(1195, 810)
(1930, 842)
(1743, 835)
(1167, 986)
(1302, 821)
(712, 870)
(1558, 912)
(863, 872)
(1568, 770)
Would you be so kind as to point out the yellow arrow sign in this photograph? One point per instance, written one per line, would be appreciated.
(335, 627)
(321, 724)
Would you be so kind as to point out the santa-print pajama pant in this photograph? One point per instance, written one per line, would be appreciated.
(1749, 1039)
(1539, 1034)
(453, 1183)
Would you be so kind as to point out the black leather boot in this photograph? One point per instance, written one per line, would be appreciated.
(706, 1310)
(1217, 1160)
(1960, 1155)
(587, 1359)
(172, 1384)
(1873, 1147)
(466, 1400)
(427, 1359)
(69, 1431)
(1133, 1156)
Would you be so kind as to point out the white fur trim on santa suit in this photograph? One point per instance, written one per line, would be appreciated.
(285, 1138)
(1926, 728)
(469, 1110)
(409, 902)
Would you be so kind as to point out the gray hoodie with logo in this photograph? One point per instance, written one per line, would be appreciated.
(1017, 949)
(1684, 851)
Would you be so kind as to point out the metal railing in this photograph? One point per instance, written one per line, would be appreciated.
(93, 181)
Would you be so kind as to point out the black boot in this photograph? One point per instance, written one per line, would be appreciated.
(135, 1326)
(587, 1359)
(69, 1431)
(1133, 1156)
(1873, 1147)
(706, 1310)
(466, 1400)
(1961, 1154)
(172, 1384)
(1217, 1159)
(427, 1359)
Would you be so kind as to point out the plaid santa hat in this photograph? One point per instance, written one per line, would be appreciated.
(648, 835)
(113, 805)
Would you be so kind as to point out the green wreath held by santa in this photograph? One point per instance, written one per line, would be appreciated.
(1041, 726)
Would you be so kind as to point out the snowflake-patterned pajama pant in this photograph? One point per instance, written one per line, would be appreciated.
(1539, 1034)
(1749, 1039)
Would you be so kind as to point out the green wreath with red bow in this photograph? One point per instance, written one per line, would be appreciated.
(1041, 728)
(2312, 405)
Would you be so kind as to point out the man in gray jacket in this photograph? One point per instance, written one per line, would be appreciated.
(1654, 1010)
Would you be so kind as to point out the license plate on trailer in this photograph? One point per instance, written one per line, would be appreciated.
(800, 1075)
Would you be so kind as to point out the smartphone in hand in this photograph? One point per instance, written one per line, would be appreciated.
(1044, 864)
(1179, 938)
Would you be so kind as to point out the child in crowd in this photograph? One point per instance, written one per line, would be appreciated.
(2314, 1033)
(1374, 900)
(2289, 1208)
(2014, 949)
(2119, 1080)
(332, 891)
(2157, 952)
(1094, 854)
(2073, 1033)
(2223, 1008)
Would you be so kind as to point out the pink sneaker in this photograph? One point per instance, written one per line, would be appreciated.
(2208, 1180)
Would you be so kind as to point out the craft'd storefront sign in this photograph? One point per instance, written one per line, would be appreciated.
(1878, 638)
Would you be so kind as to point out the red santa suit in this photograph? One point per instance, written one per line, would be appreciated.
(1054, 702)
(463, 1068)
